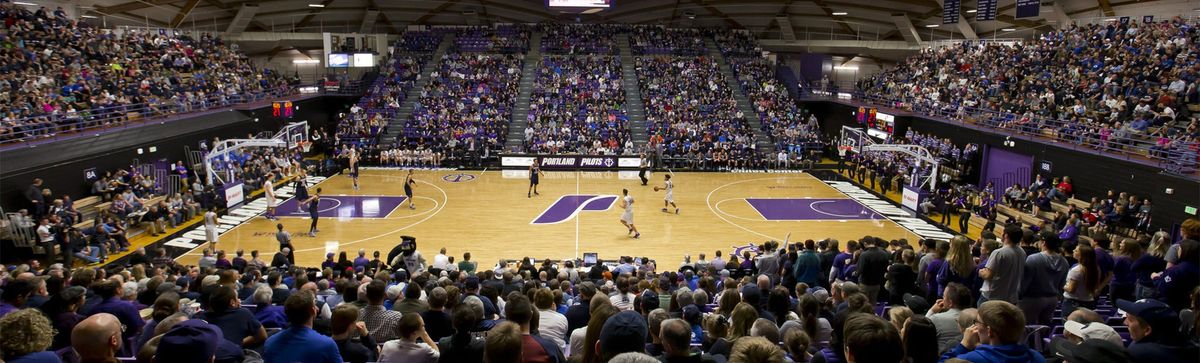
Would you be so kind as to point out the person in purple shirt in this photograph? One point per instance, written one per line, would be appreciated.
(329, 262)
(1070, 232)
(933, 267)
(270, 316)
(109, 293)
(1104, 259)
(361, 261)
(1124, 279)
(842, 259)
(223, 261)
(1175, 285)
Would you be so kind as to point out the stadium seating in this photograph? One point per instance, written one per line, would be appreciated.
(469, 96)
(694, 113)
(578, 106)
(69, 75)
(1115, 86)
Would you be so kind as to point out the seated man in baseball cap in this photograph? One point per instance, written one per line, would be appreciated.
(191, 341)
(1154, 327)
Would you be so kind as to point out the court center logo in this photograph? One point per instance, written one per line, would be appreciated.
(458, 177)
(568, 206)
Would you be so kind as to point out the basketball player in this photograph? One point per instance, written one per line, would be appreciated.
(409, 183)
(354, 167)
(269, 191)
(210, 227)
(535, 171)
(627, 217)
(643, 164)
(668, 199)
(301, 190)
(313, 211)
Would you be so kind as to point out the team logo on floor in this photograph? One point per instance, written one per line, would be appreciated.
(458, 178)
(568, 206)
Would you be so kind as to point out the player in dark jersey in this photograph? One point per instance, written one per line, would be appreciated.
(314, 203)
(301, 187)
(535, 171)
(409, 183)
(354, 167)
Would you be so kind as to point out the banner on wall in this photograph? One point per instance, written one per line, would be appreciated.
(911, 197)
(1029, 8)
(233, 194)
(572, 161)
(950, 11)
(986, 11)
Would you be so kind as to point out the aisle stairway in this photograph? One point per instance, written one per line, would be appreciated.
(520, 113)
(633, 95)
(395, 128)
(764, 141)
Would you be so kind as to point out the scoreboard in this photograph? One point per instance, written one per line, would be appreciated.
(878, 124)
(282, 110)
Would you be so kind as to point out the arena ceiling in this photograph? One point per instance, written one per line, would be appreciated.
(809, 19)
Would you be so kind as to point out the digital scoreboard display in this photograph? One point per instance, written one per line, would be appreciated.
(579, 3)
(282, 109)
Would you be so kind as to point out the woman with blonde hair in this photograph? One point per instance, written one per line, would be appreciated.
(1149, 263)
(959, 266)
(741, 321)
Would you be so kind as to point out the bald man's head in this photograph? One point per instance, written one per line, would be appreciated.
(97, 337)
(310, 286)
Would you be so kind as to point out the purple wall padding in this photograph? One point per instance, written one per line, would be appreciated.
(1005, 168)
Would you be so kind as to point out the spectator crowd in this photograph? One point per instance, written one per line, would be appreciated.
(1024, 298)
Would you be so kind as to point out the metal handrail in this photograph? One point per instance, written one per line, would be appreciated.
(1032, 130)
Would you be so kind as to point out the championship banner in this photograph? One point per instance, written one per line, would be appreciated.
(950, 11)
(986, 11)
(1028, 8)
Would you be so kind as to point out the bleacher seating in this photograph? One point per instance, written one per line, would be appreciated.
(578, 106)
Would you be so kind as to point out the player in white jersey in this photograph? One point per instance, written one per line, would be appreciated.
(627, 217)
(269, 192)
(210, 227)
(668, 199)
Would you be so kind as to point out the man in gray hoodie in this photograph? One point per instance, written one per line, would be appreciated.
(1043, 280)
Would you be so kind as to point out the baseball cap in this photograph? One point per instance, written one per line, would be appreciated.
(472, 283)
(1099, 331)
(624, 332)
(189, 341)
(691, 314)
(649, 300)
(1158, 314)
(916, 303)
(1091, 351)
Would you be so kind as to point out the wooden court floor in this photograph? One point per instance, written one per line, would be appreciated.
(488, 214)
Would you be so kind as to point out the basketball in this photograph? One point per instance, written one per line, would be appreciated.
(656, 189)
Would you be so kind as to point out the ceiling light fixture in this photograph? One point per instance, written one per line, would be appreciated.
(24, 3)
(845, 68)
(1111, 19)
(305, 61)
(88, 16)
(840, 13)
(1009, 29)
(932, 26)
(316, 5)
(972, 11)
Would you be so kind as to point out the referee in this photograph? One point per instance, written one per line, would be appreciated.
(642, 166)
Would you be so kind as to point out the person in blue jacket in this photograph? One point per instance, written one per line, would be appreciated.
(995, 337)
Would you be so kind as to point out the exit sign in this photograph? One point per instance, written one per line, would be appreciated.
(1189, 210)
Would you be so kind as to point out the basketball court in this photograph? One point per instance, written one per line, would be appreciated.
(488, 214)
